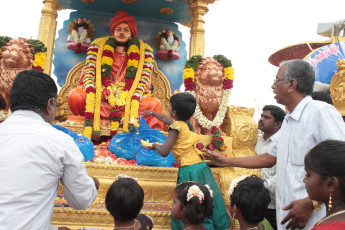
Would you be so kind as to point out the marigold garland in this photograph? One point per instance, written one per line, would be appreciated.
(123, 97)
(189, 82)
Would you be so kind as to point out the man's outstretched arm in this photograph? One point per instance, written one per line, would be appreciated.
(258, 161)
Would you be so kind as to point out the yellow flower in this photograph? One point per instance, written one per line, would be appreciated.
(134, 108)
(107, 60)
(133, 49)
(108, 47)
(40, 59)
(188, 73)
(133, 63)
(114, 125)
(229, 73)
(87, 132)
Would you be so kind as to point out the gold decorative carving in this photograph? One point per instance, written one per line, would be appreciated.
(337, 87)
(166, 11)
(88, 1)
(161, 90)
(47, 30)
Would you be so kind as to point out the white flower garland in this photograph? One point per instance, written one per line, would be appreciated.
(75, 36)
(83, 36)
(209, 189)
(235, 182)
(218, 120)
(194, 191)
(173, 47)
(126, 176)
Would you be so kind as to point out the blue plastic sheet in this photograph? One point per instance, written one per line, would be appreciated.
(151, 157)
(125, 145)
(84, 144)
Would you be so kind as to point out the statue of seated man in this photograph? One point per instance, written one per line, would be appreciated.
(79, 35)
(169, 46)
(116, 80)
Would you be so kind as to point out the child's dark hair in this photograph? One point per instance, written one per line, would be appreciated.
(184, 104)
(124, 199)
(196, 211)
(328, 160)
(252, 198)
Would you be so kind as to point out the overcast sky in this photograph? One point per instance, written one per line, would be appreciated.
(245, 31)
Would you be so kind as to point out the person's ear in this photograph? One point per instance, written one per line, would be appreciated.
(237, 212)
(278, 124)
(292, 85)
(50, 106)
(333, 184)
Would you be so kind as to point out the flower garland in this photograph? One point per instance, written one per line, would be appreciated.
(166, 45)
(83, 35)
(216, 142)
(98, 73)
(39, 52)
(235, 182)
(189, 82)
(195, 191)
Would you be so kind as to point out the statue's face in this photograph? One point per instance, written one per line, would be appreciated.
(169, 32)
(80, 21)
(122, 33)
(211, 74)
(14, 56)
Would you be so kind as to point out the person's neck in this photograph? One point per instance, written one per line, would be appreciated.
(192, 226)
(125, 224)
(295, 100)
(338, 205)
(268, 134)
(248, 226)
(121, 49)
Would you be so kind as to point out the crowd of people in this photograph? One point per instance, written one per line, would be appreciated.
(302, 155)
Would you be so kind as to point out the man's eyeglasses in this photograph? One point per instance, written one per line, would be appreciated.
(277, 80)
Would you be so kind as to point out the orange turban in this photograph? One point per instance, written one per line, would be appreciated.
(122, 17)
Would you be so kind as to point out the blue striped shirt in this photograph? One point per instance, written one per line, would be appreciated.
(310, 123)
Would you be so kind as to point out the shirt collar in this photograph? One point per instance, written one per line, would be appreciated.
(271, 138)
(297, 112)
(28, 113)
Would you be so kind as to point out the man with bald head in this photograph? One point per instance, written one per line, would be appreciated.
(123, 65)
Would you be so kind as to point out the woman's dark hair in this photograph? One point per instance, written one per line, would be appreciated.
(195, 212)
(252, 198)
(328, 159)
(31, 90)
(124, 199)
(184, 104)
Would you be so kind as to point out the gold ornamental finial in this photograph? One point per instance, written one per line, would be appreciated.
(337, 87)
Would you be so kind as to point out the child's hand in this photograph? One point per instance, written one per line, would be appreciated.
(146, 113)
(154, 146)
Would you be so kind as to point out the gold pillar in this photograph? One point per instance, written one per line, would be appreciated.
(197, 8)
(47, 30)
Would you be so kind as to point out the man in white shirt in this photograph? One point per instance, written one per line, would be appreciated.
(271, 119)
(308, 123)
(34, 157)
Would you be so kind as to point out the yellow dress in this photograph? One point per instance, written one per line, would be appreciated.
(184, 149)
(192, 167)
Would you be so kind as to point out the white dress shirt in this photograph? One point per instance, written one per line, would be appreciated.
(34, 156)
(268, 174)
(310, 123)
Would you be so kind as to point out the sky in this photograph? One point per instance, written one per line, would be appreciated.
(245, 31)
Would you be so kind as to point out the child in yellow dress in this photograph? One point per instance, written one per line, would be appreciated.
(192, 167)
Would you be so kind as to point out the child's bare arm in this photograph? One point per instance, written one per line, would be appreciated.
(164, 149)
(163, 118)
